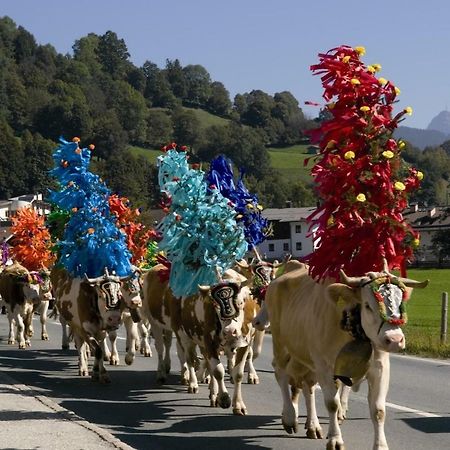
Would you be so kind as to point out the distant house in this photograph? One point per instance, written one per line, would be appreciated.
(9, 208)
(312, 149)
(290, 233)
(427, 221)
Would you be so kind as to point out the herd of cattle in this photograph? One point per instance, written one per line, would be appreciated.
(308, 321)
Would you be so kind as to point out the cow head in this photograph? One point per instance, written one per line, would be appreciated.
(228, 298)
(109, 298)
(42, 278)
(379, 298)
(132, 289)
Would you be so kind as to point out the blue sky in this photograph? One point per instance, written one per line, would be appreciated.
(262, 44)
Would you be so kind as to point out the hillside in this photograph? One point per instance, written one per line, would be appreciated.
(421, 138)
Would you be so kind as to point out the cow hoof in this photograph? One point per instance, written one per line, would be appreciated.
(224, 400)
(27, 344)
(334, 445)
(290, 428)
(22, 345)
(114, 361)
(129, 359)
(314, 433)
(44, 337)
(83, 373)
(242, 411)
(192, 390)
(253, 379)
(65, 346)
(11, 341)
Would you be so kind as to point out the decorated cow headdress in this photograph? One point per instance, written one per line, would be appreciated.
(359, 175)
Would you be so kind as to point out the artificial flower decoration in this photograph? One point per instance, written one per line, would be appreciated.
(90, 241)
(364, 194)
(32, 241)
(200, 235)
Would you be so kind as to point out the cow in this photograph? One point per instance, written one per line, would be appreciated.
(91, 307)
(19, 290)
(42, 305)
(312, 324)
(211, 320)
(131, 292)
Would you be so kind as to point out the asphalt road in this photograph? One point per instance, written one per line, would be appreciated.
(145, 415)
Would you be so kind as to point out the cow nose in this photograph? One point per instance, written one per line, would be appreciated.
(396, 341)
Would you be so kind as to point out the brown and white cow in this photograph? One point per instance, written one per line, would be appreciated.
(42, 305)
(19, 290)
(211, 320)
(91, 307)
(311, 325)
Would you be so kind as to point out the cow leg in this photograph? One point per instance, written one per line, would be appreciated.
(237, 373)
(81, 346)
(378, 380)
(98, 371)
(65, 335)
(290, 412)
(312, 425)
(17, 318)
(202, 372)
(254, 352)
(12, 327)
(144, 332)
(43, 319)
(188, 349)
(344, 392)
(27, 314)
(161, 374)
(252, 375)
(332, 403)
(183, 365)
(217, 372)
(113, 355)
(132, 338)
(167, 335)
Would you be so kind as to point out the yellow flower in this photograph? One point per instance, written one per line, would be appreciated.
(408, 110)
(364, 108)
(360, 50)
(331, 144)
(399, 186)
(361, 198)
(331, 105)
(346, 59)
(397, 90)
(419, 175)
(330, 221)
(371, 69)
(260, 207)
(349, 155)
(416, 242)
(382, 81)
(401, 144)
(388, 154)
(377, 67)
(249, 206)
(355, 81)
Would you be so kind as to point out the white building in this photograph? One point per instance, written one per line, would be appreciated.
(291, 233)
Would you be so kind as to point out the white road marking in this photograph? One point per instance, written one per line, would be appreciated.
(411, 410)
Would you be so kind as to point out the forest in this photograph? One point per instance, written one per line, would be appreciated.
(100, 96)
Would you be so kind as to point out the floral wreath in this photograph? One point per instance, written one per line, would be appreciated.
(376, 285)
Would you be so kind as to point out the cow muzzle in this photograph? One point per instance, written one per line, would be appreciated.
(393, 340)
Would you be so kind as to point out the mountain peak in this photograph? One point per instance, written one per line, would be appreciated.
(441, 122)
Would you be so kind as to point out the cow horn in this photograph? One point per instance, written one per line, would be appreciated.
(258, 256)
(92, 281)
(242, 263)
(413, 283)
(385, 265)
(218, 274)
(106, 272)
(277, 264)
(350, 281)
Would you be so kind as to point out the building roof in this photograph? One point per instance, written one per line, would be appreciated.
(428, 218)
(288, 214)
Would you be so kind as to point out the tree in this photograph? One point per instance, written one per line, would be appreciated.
(219, 102)
(108, 135)
(441, 244)
(113, 55)
(157, 89)
(198, 85)
(176, 78)
(24, 45)
(159, 128)
(186, 127)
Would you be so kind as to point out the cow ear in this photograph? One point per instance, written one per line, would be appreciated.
(338, 291)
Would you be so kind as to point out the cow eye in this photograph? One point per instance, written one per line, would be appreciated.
(367, 306)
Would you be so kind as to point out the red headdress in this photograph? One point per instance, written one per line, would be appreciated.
(360, 177)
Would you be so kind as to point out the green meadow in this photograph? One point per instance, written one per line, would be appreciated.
(424, 314)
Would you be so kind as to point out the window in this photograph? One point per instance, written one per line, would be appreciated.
(286, 247)
(298, 246)
(271, 247)
(298, 229)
